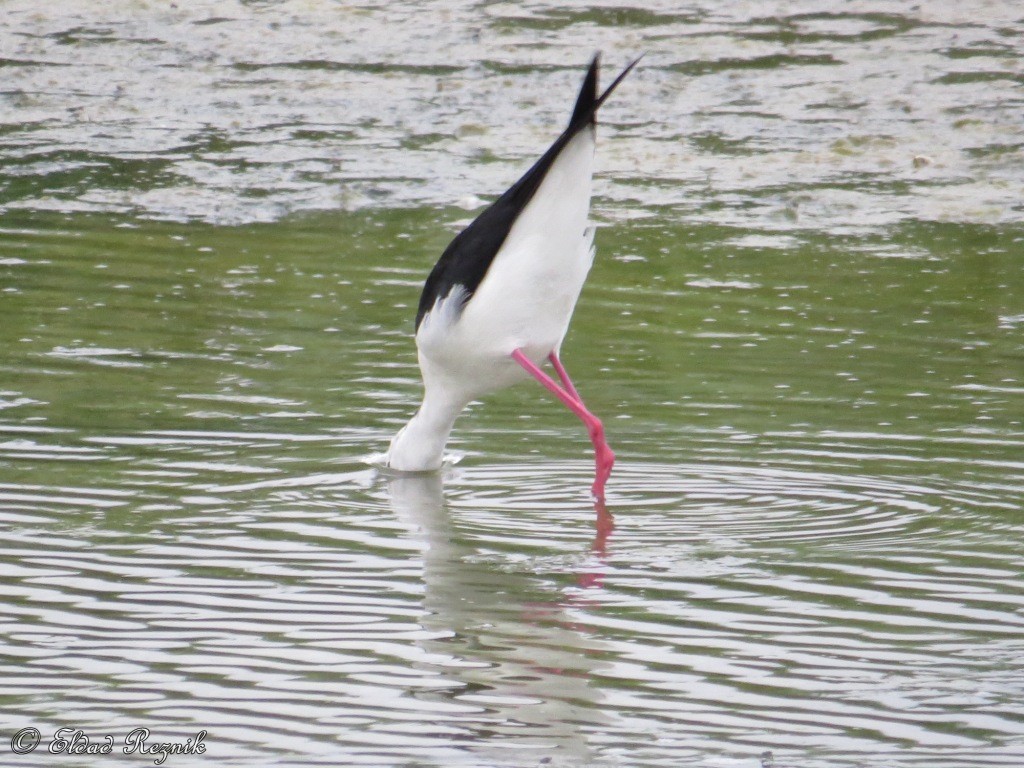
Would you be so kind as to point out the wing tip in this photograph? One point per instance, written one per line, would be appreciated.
(617, 80)
(588, 102)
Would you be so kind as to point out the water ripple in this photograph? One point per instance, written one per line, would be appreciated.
(486, 603)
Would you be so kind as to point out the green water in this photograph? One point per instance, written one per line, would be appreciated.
(683, 333)
(803, 331)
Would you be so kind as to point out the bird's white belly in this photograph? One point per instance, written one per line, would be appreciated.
(474, 355)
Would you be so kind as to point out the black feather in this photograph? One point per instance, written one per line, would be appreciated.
(468, 257)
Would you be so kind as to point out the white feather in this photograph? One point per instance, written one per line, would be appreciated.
(525, 301)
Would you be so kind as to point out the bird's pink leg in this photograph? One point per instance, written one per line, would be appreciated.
(603, 456)
(599, 448)
(564, 376)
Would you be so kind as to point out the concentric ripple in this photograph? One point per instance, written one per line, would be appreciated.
(755, 504)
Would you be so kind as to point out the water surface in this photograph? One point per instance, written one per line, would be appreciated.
(803, 331)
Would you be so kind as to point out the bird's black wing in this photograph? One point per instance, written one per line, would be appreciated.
(467, 258)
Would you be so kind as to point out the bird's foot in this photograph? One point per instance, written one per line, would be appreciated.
(604, 460)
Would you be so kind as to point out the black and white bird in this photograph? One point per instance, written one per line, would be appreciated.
(497, 304)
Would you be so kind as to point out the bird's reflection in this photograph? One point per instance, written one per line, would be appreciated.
(505, 636)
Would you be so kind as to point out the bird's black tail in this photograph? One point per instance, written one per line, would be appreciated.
(588, 102)
(588, 94)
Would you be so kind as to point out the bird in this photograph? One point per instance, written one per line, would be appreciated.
(497, 304)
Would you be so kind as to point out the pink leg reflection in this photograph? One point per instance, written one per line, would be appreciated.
(604, 524)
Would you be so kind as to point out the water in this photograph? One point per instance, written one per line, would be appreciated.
(803, 331)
